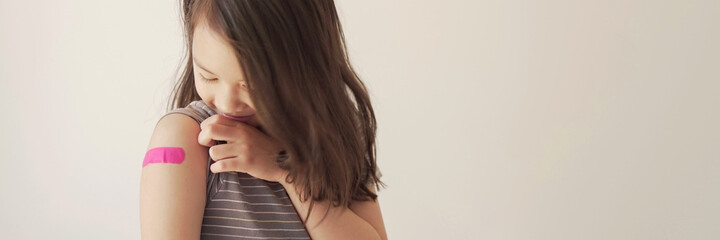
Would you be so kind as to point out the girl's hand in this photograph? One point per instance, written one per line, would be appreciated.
(247, 149)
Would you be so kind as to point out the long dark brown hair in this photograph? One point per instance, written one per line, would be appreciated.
(295, 62)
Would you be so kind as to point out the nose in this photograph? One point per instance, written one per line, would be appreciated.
(233, 108)
(229, 102)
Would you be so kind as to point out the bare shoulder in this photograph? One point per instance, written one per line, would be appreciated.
(175, 129)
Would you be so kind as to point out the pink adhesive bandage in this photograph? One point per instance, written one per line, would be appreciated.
(164, 155)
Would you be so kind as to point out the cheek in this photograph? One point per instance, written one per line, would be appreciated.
(249, 102)
(201, 88)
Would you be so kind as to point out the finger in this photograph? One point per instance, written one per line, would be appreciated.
(206, 122)
(210, 121)
(218, 119)
(205, 139)
(227, 121)
(227, 165)
(216, 132)
(222, 120)
(222, 151)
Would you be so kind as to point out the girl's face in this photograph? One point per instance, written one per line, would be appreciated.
(218, 77)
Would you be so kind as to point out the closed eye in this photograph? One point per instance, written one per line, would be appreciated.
(213, 79)
(207, 79)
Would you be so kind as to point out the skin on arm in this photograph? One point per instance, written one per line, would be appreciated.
(370, 212)
(362, 220)
(172, 196)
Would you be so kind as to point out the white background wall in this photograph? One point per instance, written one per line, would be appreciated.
(514, 119)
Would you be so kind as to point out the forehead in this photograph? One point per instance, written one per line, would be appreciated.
(213, 52)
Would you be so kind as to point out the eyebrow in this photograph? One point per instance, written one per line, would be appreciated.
(201, 67)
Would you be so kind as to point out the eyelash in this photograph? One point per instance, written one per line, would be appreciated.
(212, 80)
(205, 79)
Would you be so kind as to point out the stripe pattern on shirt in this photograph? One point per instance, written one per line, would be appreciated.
(240, 206)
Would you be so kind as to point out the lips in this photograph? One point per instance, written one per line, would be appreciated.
(237, 118)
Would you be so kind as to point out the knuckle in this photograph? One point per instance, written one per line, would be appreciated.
(244, 157)
(213, 152)
(243, 147)
(218, 167)
(229, 164)
(201, 138)
(213, 118)
(211, 128)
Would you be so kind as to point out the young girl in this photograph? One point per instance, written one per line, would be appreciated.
(275, 139)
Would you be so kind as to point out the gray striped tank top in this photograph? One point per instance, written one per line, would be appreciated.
(239, 206)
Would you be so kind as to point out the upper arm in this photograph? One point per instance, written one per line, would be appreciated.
(172, 196)
(370, 212)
